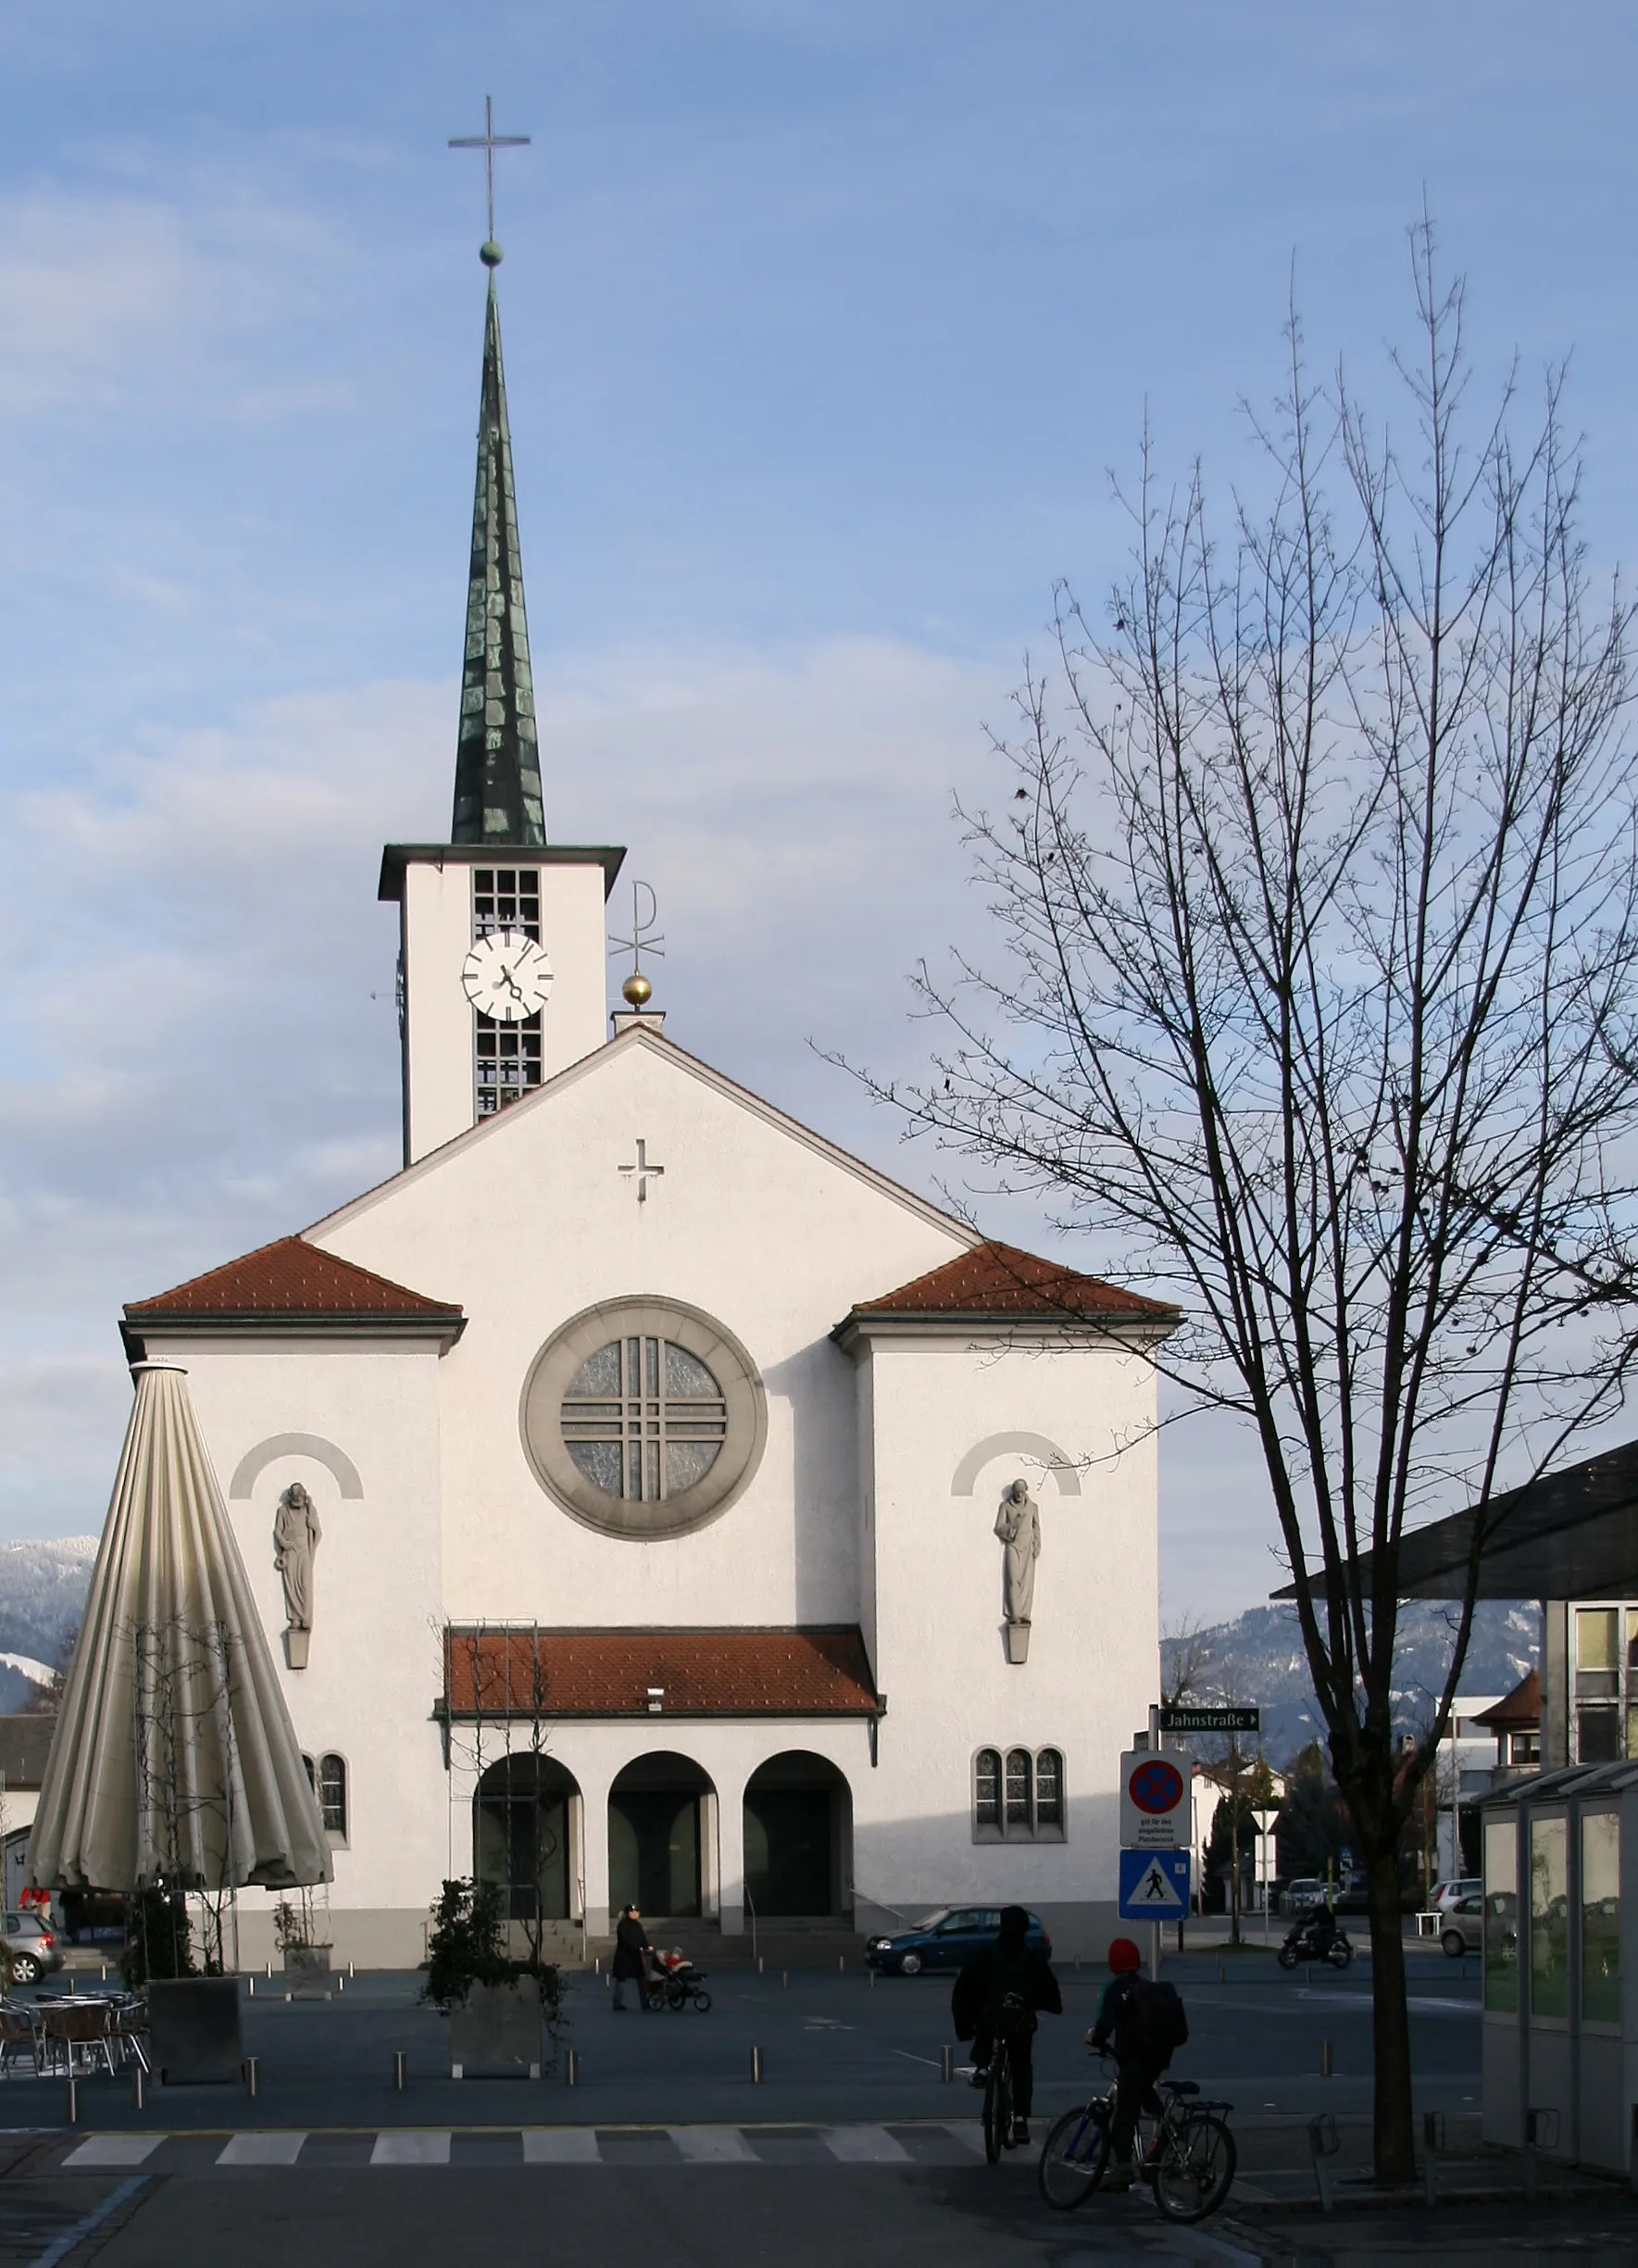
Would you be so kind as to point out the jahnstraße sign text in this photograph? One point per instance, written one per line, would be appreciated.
(1178, 1718)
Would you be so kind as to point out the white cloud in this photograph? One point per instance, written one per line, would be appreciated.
(190, 1057)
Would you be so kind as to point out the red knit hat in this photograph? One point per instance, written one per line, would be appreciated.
(1124, 1956)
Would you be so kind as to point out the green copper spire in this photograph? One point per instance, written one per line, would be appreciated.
(498, 769)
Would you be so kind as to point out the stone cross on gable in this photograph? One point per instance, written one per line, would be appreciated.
(643, 1170)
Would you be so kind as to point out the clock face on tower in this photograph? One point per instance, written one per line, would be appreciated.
(507, 976)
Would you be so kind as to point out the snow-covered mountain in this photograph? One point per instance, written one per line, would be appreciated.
(1259, 1658)
(42, 1588)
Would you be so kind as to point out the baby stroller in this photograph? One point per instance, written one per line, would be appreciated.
(674, 1982)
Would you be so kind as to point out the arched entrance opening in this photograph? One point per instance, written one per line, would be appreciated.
(660, 1847)
(524, 1821)
(798, 1836)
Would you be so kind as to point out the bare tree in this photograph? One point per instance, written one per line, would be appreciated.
(1317, 888)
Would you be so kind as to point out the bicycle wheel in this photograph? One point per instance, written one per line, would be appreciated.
(1197, 2170)
(1074, 2157)
(997, 2104)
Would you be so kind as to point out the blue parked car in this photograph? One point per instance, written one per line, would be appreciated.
(944, 1940)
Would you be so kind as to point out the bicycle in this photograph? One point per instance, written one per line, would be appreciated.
(998, 2087)
(1189, 2163)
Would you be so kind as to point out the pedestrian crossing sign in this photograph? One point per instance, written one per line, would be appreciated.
(1153, 1885)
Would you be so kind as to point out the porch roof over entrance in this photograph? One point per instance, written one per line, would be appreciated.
(795, 1672)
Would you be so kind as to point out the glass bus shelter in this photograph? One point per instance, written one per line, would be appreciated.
(1561, 1964)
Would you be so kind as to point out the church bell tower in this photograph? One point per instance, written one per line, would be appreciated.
(502, 969)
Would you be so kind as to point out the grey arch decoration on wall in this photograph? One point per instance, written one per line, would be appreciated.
(335, 1461)
(1016, 1445)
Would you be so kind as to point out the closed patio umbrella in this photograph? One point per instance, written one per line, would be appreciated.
(174, 1759)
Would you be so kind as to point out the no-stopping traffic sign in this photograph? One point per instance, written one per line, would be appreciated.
(1154, 1803)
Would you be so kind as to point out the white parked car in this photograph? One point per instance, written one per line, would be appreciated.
(1448, 1895)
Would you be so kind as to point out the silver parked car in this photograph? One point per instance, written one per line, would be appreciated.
(1463, 1930)
(32, 1946)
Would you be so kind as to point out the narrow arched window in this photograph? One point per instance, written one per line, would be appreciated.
(986, 1790)
(332, 1794)
(1049, 1792)
(1020, 1778)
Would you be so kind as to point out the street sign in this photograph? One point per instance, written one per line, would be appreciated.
(1154, 1885)
(1180, 1716)
(1154, 1803)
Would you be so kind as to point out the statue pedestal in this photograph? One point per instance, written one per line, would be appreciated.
(1017, 1642)
(295, 1648)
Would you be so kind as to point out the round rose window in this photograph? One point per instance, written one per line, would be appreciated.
(643, 1418)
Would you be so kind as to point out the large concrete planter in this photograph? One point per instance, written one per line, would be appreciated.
(497, 2031)
(306, 1972)
(193, 2032)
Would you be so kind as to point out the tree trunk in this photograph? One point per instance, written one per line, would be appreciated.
(1393, 2132)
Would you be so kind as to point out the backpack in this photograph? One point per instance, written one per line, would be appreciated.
(1011, 2001)
(1159, 2026)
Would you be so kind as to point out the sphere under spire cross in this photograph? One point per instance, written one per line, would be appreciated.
(489, 252)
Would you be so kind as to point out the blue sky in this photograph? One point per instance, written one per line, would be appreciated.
(825, 327)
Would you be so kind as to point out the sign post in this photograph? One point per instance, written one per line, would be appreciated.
(1154, 1820)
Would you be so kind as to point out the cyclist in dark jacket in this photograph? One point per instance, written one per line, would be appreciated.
(1137, 2066)
(1002, 1989)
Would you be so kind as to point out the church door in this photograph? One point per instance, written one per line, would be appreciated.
(654, 1836)
(796, 1825)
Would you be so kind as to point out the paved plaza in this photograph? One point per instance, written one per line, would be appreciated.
(665, 2152)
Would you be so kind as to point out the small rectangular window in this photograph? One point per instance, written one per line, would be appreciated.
(1019, 1776)
(1600, 1917)
(1549, 1917)
(332, 1794)
(986, 1789)
(1049, 1789)
(1501, 1915)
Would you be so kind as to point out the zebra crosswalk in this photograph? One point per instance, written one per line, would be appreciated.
(862, 2145)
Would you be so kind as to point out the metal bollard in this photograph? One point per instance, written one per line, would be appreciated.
(137, 2076)
(571, 2067)
(351, 1971)
(341, 1984)
(761, 1965)
(947, 2064)
(73, 2101)
(269, 1969)
(1324, 2142)
(252, 2069)
(104, 1972)
(606, 1983)
(73, 1987)
(841, 1964)
(872, 1980)
(755, 2067)
(400, 2070)
(1432, 2143)
(1325, 2071)
(252, 1986)
(786, 1978)
(597, 1965)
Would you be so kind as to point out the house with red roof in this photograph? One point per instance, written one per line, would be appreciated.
(686, 1512)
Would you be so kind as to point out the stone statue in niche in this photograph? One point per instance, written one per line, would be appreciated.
(296, 1535)
(1018, 1524)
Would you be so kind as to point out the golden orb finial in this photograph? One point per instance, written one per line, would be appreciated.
(637, 992)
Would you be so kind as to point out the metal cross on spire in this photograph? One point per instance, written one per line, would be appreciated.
(489, 142)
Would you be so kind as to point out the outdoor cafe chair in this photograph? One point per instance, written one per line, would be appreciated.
(129, 2031)
(18, 2031)
(81, 2030)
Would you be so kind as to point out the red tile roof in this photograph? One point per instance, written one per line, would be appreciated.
(292, 1278)
(1521, 1706)
(820, 1672)
(995, 1279)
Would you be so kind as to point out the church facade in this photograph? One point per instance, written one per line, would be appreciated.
(646, 1500)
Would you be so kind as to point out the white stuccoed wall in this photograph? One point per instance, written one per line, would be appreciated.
(1094, 1649)
(528, 1221)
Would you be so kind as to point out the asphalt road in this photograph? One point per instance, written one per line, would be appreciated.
(665, 2152)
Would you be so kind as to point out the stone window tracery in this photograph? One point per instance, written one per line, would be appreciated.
(644, 1416)
(1017, 1796)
